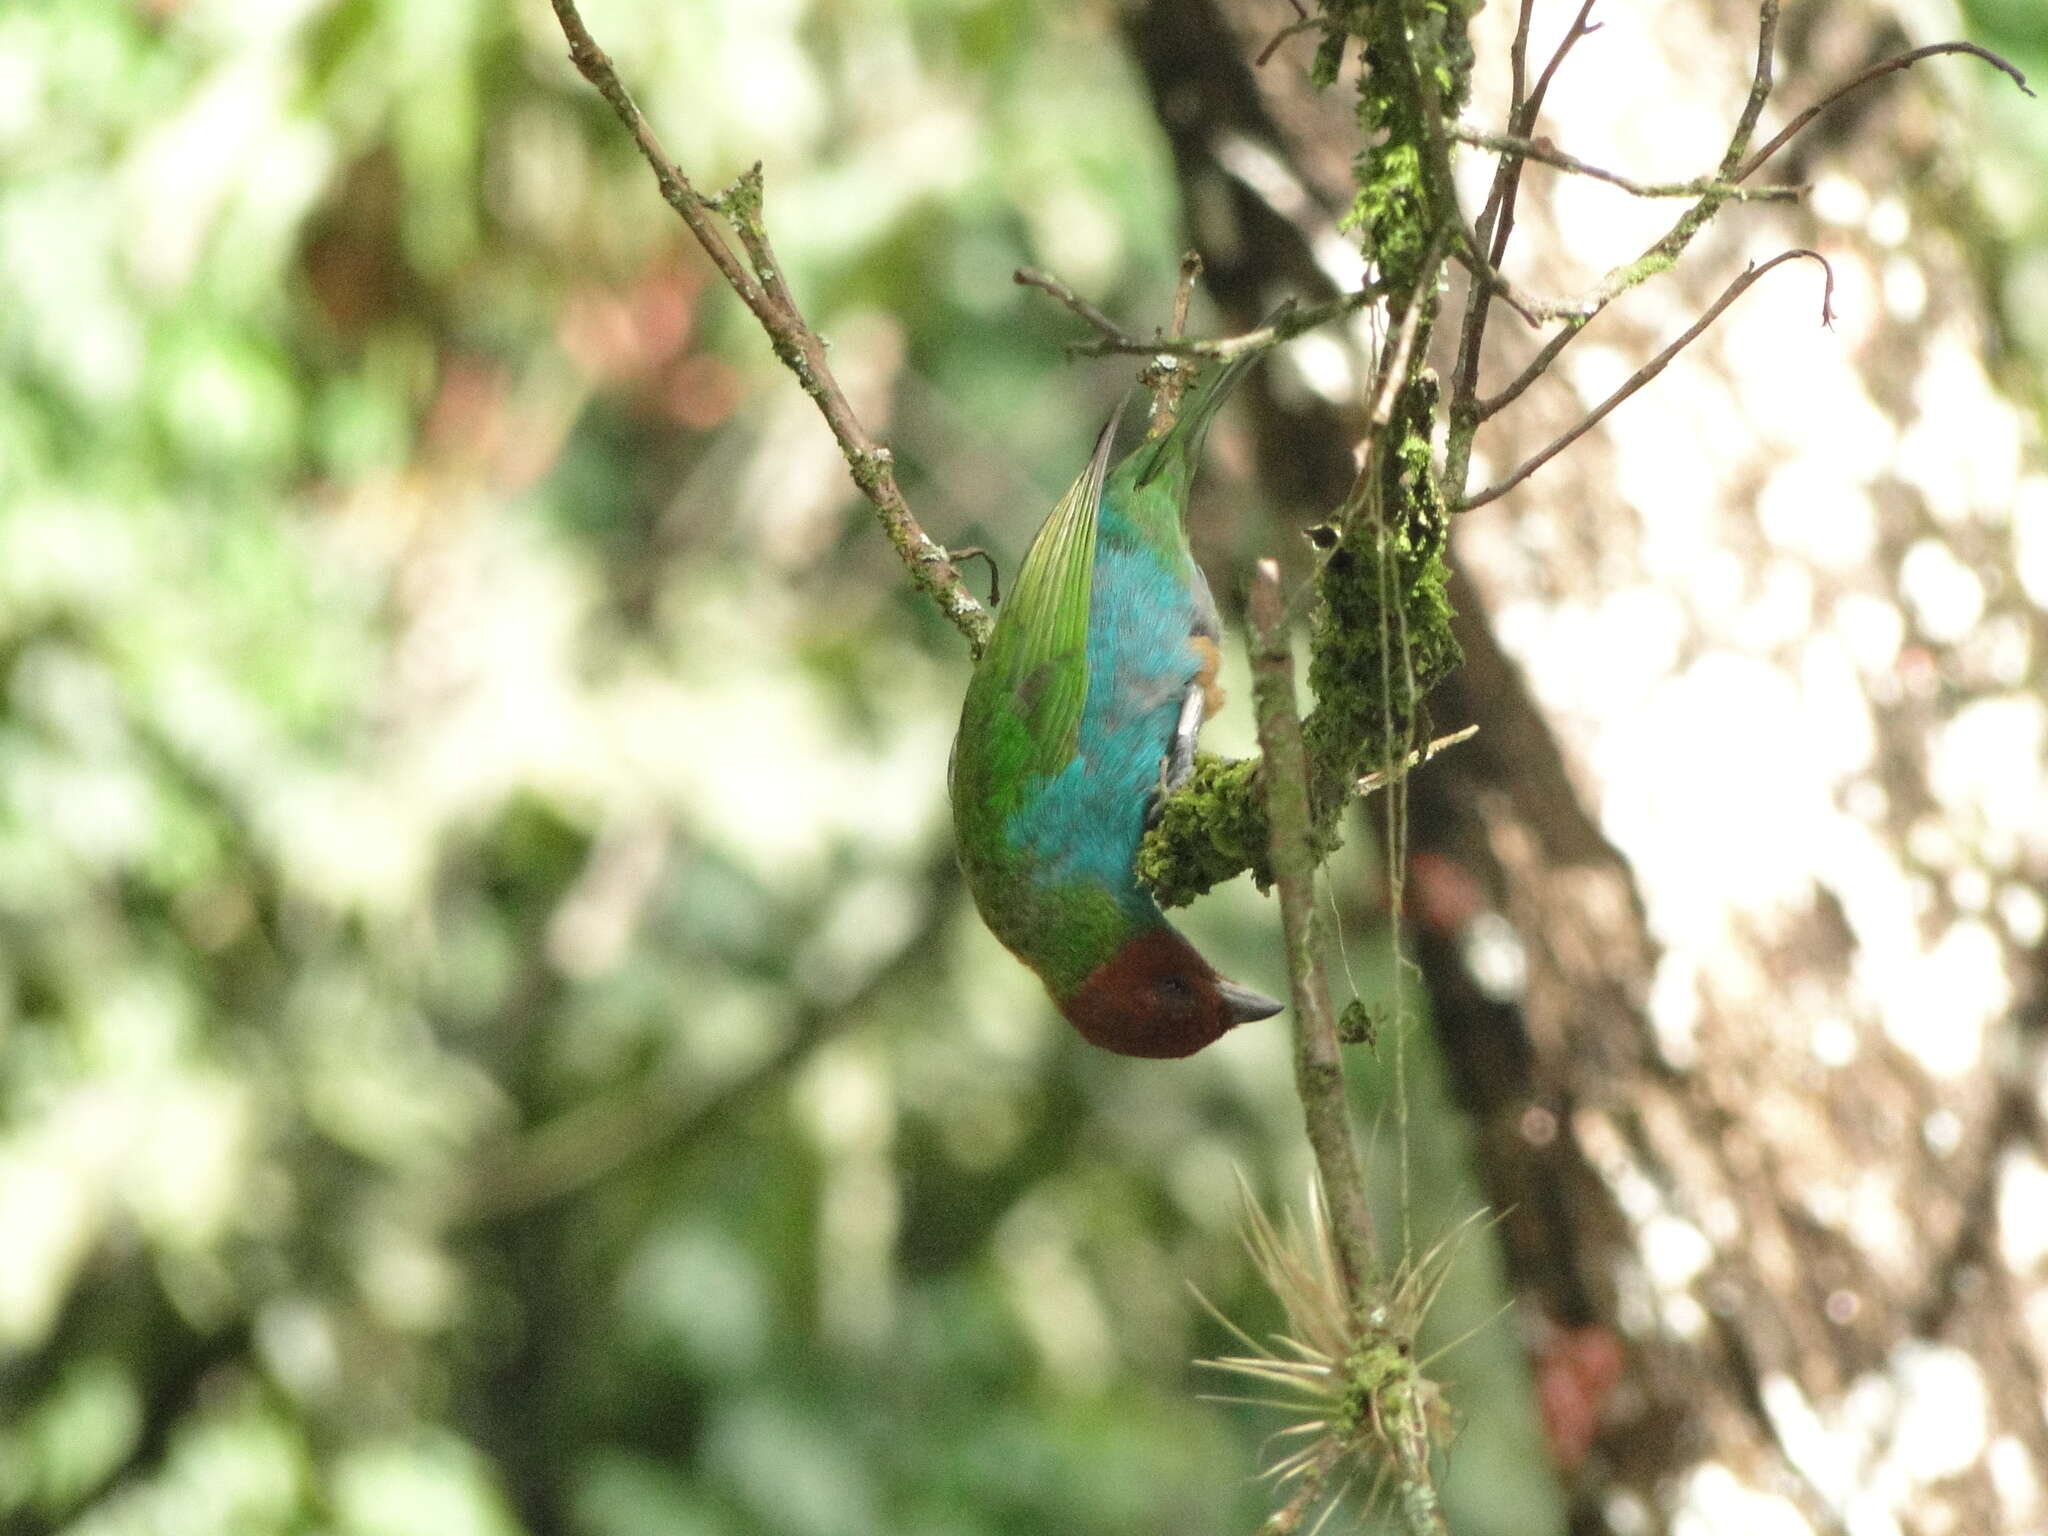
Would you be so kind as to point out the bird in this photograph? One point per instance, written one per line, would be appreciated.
(1080, 717)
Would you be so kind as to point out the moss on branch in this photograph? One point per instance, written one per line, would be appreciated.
(1381, 635)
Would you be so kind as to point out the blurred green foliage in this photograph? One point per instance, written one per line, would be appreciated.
(490, 1036)
(2014, 252)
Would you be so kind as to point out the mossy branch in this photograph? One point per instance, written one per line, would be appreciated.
(1295, 854)
(1381, 636)
(1384, 1395)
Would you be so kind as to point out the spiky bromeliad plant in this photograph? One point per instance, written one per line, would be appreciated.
(1366, 1405)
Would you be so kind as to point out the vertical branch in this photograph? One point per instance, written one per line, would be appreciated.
(1318, 1068)
(1496, 223)
(1166, 376)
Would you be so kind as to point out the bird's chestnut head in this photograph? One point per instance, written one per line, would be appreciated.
(1157, 997)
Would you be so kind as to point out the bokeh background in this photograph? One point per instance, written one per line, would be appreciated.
(491, 1036)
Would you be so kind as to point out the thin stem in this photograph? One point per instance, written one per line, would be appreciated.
(1286, 1520)
(1292, 29)
(800, 348)
(1875, 72)
(1168, 377)
(1032, 277)
(1759, 87)
(1289, 321)
(1650, 370)
(1496, 222)
(1549, 154)
(1523, 123)
(1318, 1063)
(1380, 778)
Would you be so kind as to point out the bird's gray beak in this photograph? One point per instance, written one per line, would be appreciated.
(1246, 1005)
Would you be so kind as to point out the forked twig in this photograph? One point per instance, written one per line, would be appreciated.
(1649, 371)
(1112, 340)
(1496, 222)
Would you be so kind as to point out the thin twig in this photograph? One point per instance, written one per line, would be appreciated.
(1759, 87)
(1549, 154)
(1736, 166)
(1318, 1062)
(1666, 249)
(1469, 249)
(1650, 370)
(1031, 277)
(1396, 372)
(1113, 340)
(1292, 29)
(1496, 223)
(1500, 210)
(1286, 1520)
(800, 348)
(1380, 778)
(1875, 72)
(1165, 376)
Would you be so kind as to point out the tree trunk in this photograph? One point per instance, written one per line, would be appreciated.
(1731, 914)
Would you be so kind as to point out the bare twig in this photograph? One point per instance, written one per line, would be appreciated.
(1031, 277)
(1760, 85)
(1380, 778)
(1875, 72)
(1496, 222)
(800, 348)
(1469, 248)
(1736, 166)
(1292, 29)
(1318, 1064)
(1168, 377)
(1662, 253)
(1112, 340)
(1184, 292)
(1650, 370)
(1549, 154)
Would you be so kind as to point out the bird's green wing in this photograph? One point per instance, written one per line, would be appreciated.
(1023, 716)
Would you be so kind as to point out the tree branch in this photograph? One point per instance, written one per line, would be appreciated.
(800, 348)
